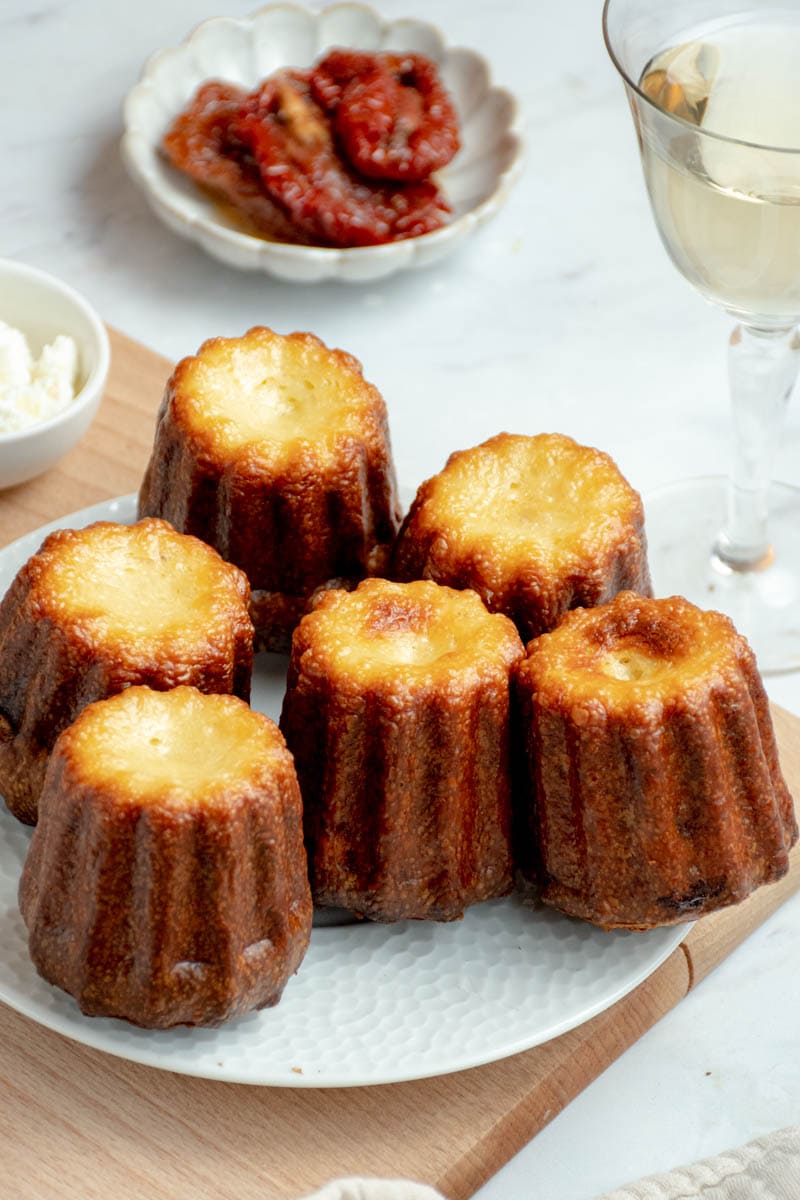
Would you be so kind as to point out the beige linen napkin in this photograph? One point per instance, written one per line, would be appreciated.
(767, 1169)
(375, 1189)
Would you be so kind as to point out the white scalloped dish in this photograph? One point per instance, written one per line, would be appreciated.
(244, 51)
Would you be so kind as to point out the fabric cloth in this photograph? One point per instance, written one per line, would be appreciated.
(767, 1169)
(375, 1189)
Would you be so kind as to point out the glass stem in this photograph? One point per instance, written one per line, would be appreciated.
(763, 367)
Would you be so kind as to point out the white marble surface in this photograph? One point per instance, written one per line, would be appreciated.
(562, 314)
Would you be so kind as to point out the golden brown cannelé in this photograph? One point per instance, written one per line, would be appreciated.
(166, 880)
(98, 609)
(397, 713)
(654, 790)
(275, 450)
(536, 525)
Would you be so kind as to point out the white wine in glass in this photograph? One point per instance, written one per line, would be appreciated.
(714, 87)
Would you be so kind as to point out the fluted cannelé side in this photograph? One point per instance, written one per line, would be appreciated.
(397, 713)
(275, 450)
(166, 880)
(654, 790)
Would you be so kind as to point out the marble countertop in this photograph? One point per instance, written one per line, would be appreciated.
(563, 313)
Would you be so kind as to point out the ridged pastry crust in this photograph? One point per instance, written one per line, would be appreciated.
(275, 450)
(397, 713)
(98, 609)
(655, 793)
(166, 880)
(536, 525)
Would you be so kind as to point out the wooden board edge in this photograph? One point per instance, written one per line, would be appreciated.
(563, 1068)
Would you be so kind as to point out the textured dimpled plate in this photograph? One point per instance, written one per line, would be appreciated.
(371, 1003)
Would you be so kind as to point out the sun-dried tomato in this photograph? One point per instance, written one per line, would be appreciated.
(393, 116)
(292, 143)
(200, 142)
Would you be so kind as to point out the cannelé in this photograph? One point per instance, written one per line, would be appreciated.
(166, 880)
(397, 713)
(536, 525)
(275, 450)
(98, 609)
(654, 790)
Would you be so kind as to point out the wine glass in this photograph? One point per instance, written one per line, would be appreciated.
(712, 86)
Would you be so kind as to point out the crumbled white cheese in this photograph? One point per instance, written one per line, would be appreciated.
(34, 390)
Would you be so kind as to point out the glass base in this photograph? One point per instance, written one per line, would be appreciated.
(683, 521)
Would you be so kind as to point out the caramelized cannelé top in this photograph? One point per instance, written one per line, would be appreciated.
(517, 493)
(181, 748)
(404, 633)
(633, 653)
(143, 585)
(515, 496)
(271, 396)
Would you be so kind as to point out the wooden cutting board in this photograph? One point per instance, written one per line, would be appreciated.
(78, 1124)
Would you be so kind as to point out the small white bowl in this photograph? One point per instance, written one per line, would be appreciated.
(245, 51)
(41, 306)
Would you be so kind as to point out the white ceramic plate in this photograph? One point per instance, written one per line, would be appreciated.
(245, 51)
(371, 1003)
